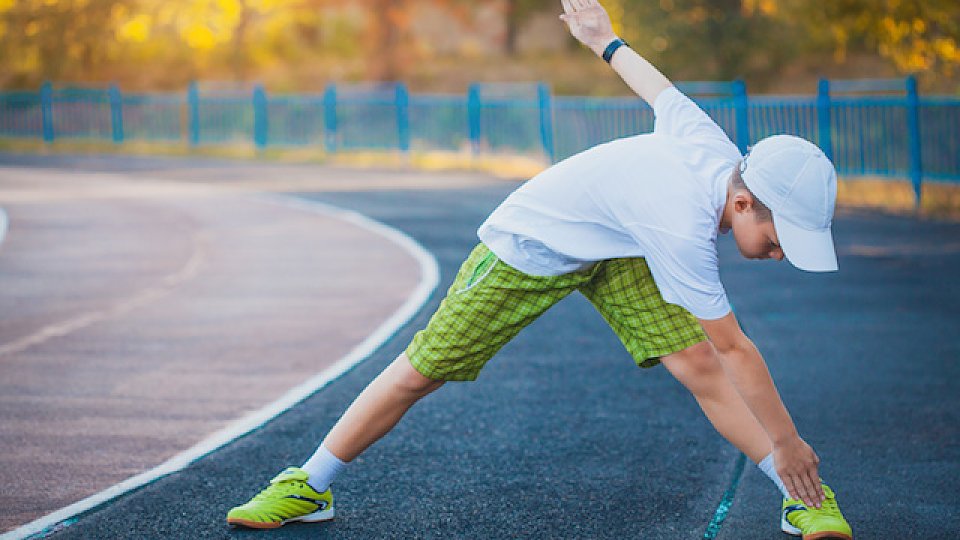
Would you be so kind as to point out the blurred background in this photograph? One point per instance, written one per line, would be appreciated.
(776, 46)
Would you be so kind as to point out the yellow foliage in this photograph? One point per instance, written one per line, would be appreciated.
(31, 29)
(28, 61)
(916, 61)
(199, 36)
(894, 29)
(74, 50)
(5, 5)
(136, 30)
(947, 49)
(615, 10)
(229, 9)
(267, 5)
(764, 7)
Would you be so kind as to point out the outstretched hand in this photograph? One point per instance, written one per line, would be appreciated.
(589, 23)
(797, 466)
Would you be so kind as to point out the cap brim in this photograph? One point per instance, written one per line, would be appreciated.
(812, 251)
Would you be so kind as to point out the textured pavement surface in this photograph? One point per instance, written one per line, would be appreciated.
(563, 437)
(136, 319)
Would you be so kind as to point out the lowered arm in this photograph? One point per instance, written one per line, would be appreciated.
(797, 463)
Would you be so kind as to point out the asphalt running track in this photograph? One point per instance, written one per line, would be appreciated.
(563, 437)
(140, 318)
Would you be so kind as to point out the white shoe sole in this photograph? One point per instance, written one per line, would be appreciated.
(322, 515)
(786, 527)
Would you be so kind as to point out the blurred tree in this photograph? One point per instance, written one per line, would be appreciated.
(916, 35)
(517, 12)
(53, 39)
(389, 25)
(709, 39)
(297, 42)
(386, 38)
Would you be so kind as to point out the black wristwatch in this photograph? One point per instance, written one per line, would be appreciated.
(612, 48)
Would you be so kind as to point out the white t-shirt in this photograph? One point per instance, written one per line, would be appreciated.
(658, 195)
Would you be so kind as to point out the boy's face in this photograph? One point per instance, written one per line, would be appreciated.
(755, 239)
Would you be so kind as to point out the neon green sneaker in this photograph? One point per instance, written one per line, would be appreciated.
(824, 523)
(287, 498)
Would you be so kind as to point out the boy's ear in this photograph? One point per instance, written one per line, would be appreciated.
(742, 202)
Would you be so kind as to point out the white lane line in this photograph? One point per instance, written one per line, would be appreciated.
(4, 221)
(168, 283)
(429, 279)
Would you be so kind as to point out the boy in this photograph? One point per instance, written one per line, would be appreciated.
(632, 224)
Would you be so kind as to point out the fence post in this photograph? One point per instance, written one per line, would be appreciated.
(116, 113)
(823, 118)
(403, 117)
(473, 117)
(913, 126)
(46, 111)
(193, 113)
(260, 125)
(546, 120)
(742, 111)
(330, 117)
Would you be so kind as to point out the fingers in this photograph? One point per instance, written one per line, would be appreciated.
(811, 480)
(807, 490)
(572, 6)
(814, 489)
(788, 481)
(805, 486)
(797, 466)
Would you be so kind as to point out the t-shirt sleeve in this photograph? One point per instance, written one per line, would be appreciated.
(677, 115)
(686, 272)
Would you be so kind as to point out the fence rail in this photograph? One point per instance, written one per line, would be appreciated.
(868, 127)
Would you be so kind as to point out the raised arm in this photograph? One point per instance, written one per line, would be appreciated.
(590, 24)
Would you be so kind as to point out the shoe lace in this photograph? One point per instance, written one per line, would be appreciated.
(830, 505)
(280, 488)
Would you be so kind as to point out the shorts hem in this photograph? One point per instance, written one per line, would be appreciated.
(652, 358)
(439, 375)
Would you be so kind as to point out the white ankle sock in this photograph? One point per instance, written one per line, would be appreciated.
(767, 466)
(322, 467)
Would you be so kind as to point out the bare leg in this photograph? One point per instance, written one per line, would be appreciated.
(698, 368)
(378, 409)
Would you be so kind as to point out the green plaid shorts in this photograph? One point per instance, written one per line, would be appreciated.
(490, 302)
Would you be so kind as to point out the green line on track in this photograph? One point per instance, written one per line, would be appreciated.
(724, 507)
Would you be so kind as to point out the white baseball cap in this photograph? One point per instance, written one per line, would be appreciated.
(797, 182)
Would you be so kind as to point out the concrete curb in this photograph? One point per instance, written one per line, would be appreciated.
(430, 277)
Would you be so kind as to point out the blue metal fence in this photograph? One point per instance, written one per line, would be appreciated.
(875, 127)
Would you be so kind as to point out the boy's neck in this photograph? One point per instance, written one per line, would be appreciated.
(726, 217)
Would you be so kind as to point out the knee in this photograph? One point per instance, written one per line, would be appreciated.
(407, 379)
(696, 367)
